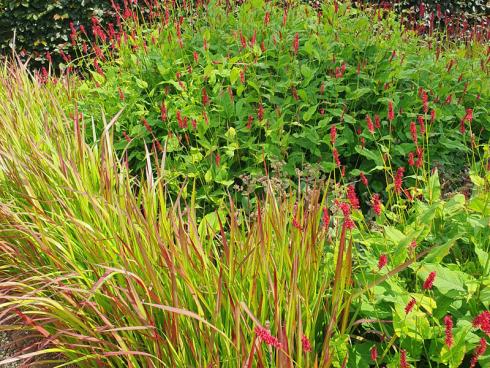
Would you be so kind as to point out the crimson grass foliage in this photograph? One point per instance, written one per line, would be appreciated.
(265, 85)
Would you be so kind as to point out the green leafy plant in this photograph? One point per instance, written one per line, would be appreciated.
(227, 95)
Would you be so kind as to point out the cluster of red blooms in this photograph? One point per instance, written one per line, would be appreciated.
(391, 112)
(429, 281)
(352, 197)
(364, 180)
(267, 338)
(448, 323)
(376, 203)
(370, 124)
(339, 71)
(399, 180)
(468, 117)
(326, 218)
(296, 43)
(147, 126)
(374, 353)
(182, 121)
(336, 157)
(403, 359)
(205, 98)
(306, 344)
(482, 321)
(345, 208)
(479, 351)
(410, 305)
(333, 134)
(260, 112)
(250, 121)
(383, 261)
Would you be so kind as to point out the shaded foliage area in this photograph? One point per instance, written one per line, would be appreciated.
(40, 26)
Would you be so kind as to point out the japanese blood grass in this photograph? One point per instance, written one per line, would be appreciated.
(105, 274)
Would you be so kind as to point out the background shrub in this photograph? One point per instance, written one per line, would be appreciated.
(42, 26)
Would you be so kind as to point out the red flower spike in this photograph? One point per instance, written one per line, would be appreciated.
(121, 93)
(352, 196)
(333, 134)
(306, 344)
(420, 120)
(374, 353)
(260, 112)
(147, 126)
(399, 179)
(205, 98)
(267, 18)
(126, 137)
(249, 121)
(429, 281)
(382, 261)
(296, 43)
(370, 124)
(410, 305)
(403, 359)
(448, 323)
(391, 112)
(376, 203)
(411, 160)
(336, 157)
(482, 321)
(413, 132)
(364, 180)
(469, 115)
(479, 351)
(425, 101)
(217, 159)
(326, 218)
(377, 122)
(266, 337)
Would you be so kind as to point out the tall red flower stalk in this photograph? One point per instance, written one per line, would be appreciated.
(205, 98)
(403, 359)
(482, 321)
(376, 203)
(296, 43)
(429, 281)
(333, 134)
(364, 180)
(374, 353)
(266, 337)
(479, 351)
(410, 305)
(382, 261)
(425, 101)
(399, 180)
(448, 323)
(260, 112)
(413, 132)
(370, 124)
(352, 196)
(336, 157)
(420, 120)
(306, 344)
(391, 112)
(326, 218)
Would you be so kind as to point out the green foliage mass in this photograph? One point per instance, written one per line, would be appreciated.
(346, 67)
(40, 26)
